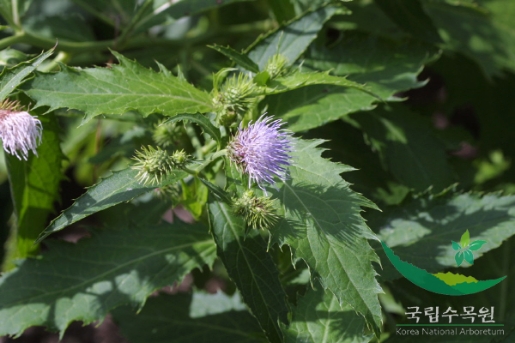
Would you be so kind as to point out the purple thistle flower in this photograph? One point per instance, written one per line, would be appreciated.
(19, 131)
(262, 150)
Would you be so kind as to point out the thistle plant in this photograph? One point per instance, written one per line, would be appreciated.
(262, 151)
(343, 85)
(19, 131)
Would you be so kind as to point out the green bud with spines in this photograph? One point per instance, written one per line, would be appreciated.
(154, 164)
(234, 99)
(276, 65)
(258, 212)
(168, 134)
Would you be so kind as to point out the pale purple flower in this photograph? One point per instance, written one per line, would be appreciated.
(20, 132)
(262, 150)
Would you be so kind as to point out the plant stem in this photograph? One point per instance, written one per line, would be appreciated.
(16, 15)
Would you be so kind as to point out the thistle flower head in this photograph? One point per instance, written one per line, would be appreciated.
(258, 212)
(153, 165)
(262, 151)
(19, 131)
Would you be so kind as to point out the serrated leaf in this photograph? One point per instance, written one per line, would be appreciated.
(456, 245)
(251, 268)
(385, 66)
(116, 266)
(481, 33)
(11, 78)
(291, 39)
(410, 16)
(165, 318)
(120, 187)
(476, 245)
(323, 226)
(116, 90)
(319, 318)
(165, 12)
(298, 80)
(407, 146)
(465, 239)
(421, 230)
(314, 106)
(34, 190)
(237, 57)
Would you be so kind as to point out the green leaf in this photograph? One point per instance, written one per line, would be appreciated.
(410, 16)
(385, 66)
(11, 78)
(314, 106)
(34, 190)
(421, 230)
(201, 120)
(283, 9)
(291, 39)
(166, 319)
(319, 318)
(165, 12)
(120, 187)
(465, 239)
(323, 226)
(237, 57)
(456, 245)
(251, 267)
(298, 80)
(407, 146)
(482, 33)
(121, 265)
(476, 245)
(116, 90)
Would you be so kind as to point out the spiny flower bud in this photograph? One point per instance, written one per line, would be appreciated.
(258, 212)
(153, 165)
(276, 65)
(19, 131)
(262, 151)
(234, 99)
(167, 134)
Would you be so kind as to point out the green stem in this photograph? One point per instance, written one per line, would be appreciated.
(62, 57)
(16, 15)
(134, 43)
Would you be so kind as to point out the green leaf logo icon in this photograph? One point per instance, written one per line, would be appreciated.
(465, 247)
